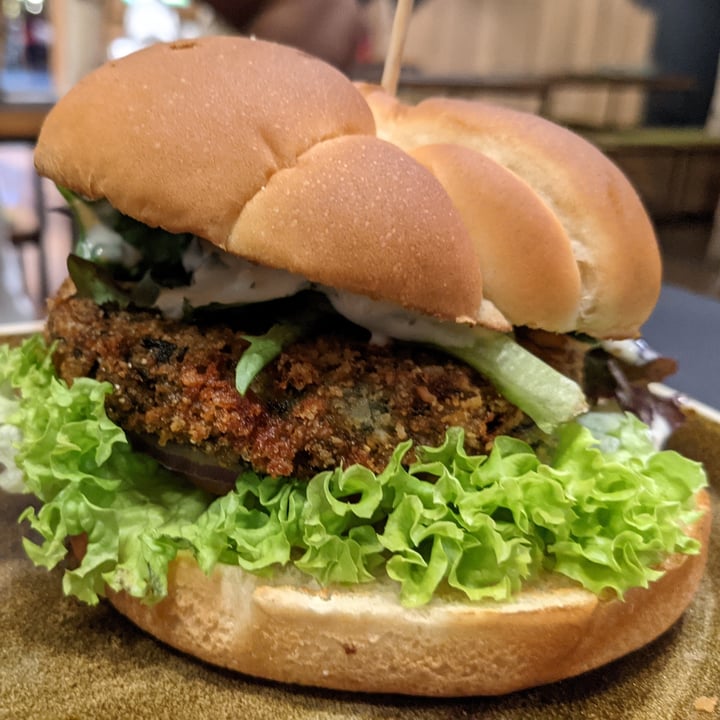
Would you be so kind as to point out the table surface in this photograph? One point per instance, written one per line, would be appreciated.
(686, 326)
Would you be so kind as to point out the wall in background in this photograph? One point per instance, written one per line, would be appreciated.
(676, 37)
(687, 40)
(517, 37)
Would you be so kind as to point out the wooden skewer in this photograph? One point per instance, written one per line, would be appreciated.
(393, 60)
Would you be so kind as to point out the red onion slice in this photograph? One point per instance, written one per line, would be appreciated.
(201, 469)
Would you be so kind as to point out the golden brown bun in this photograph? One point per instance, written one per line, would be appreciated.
(364, 640)
(366, 235)
(565, 242)
(268, 153)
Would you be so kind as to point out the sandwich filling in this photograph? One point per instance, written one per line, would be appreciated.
(347, 460)
(329, 400)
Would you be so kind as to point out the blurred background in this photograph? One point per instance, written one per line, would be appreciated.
(637, 77)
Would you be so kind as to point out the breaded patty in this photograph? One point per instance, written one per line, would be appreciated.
(328, 400)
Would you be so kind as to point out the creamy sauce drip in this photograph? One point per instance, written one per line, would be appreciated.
(219, 277)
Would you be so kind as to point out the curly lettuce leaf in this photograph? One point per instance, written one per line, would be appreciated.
(80, 465)
(546, 395)
(262, 350)
(601, 507)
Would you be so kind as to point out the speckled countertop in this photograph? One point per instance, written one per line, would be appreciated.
(60, 659)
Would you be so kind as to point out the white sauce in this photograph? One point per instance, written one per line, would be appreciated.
(104, 245)
(385, 320)
(220, 277)
(634, 352)
(660, 431)
(223, 278)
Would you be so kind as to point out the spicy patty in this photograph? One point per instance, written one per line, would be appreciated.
(328, 400)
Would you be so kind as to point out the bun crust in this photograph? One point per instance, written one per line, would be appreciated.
(589, 207)
(363, 235)
(529, 269)
(363, 640)
(229, 138)
(276, 156)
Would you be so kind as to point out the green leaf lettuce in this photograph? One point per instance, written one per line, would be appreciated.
(602, 507)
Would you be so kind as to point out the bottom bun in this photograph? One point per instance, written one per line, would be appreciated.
(362, 639)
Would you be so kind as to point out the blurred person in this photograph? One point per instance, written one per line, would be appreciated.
(37, 39)
(330, 29)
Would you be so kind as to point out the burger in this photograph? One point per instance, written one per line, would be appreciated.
(348, 393)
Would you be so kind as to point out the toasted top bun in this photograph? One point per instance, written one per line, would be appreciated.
(564, 241)
(269, 154)
(362, 639)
